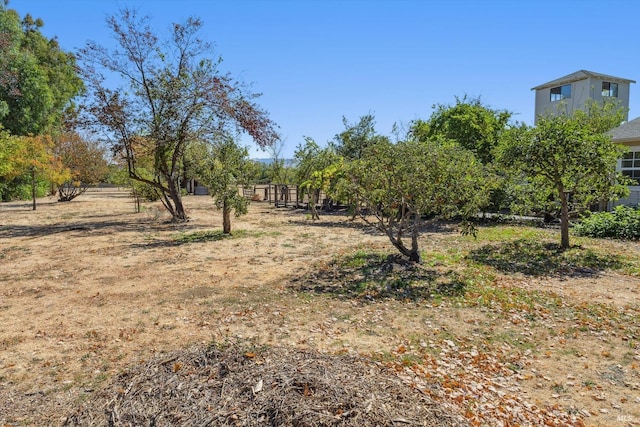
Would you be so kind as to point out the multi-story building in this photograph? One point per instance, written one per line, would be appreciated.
(571, 92)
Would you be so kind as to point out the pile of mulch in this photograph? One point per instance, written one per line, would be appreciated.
(236, 385)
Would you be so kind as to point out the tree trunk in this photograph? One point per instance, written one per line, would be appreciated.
(564, 219)
(414, 256)
(356, 208)
(226, 218)
(396, 240)
(314, 195)
(33, 188)
(179, 214)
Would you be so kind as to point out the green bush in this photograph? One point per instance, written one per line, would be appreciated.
(20, 189)
(622, 223)
(144, 191)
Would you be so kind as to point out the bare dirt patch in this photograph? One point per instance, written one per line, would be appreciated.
(90, 290)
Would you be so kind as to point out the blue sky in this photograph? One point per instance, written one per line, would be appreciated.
(316, 61)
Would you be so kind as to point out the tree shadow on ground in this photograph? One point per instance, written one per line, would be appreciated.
(88, 227)
(371, 277)
(427, 226)
(535, 258)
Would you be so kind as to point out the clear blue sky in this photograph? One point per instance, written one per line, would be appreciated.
(316, 61)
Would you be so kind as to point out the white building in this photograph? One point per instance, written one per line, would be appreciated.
(628, 134)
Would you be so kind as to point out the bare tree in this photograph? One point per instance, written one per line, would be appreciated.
(170, 94)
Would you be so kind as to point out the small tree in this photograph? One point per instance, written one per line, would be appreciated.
(401, 184)
(36, 160)
(351, 144)
(85, 161)
(316, 168)
(223, 168)
(565, 161)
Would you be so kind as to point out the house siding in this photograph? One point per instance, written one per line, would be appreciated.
(633, 200)
(584, 85)
(634, 190)
(581, 91)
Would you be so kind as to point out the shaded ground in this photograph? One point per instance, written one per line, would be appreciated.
(90, 290)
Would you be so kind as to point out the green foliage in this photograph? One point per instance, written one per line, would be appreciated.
(28, 160)
(223, 168)
(21, 189)
(400, 183)
(356, 137)
(477, 128)
(39, 80)
(565, 164)
(143, 191)
(10, 145)
(164, 95)
(318, 170)
(622, 223)
(469, 122)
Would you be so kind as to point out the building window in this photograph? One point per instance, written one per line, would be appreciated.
(560, 92)
(631, 165)
(610, 89)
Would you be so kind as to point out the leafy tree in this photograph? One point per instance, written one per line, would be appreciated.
(476, 127)
(356, 137)
(400, 184)
(86, 163)
(39, 79)
(469, 122)
(565, 161)
(34, 158)
(171, 95)
(316, 170)
(351, 144)
(9, 169)
(139, 191)
(38, 82)
(224, 168)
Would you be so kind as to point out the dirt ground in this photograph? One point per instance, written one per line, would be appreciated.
(89, 288)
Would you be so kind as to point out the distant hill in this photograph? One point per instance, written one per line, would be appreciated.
(268, 161)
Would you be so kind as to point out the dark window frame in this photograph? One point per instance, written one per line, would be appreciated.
(610, 89)
(559, 93)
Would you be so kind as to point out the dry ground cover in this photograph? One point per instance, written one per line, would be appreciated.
(100, 306)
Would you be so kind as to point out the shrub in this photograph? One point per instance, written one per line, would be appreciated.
(622, 223)
(144, 191)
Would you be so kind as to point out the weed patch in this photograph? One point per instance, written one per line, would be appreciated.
(537, 258)
(373, 276)
(216, 235)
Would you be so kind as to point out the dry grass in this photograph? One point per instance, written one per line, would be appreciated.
(501, 328)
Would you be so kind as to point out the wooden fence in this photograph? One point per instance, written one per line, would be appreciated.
(280, 195)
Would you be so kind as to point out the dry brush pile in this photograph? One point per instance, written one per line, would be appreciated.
(240, 385)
